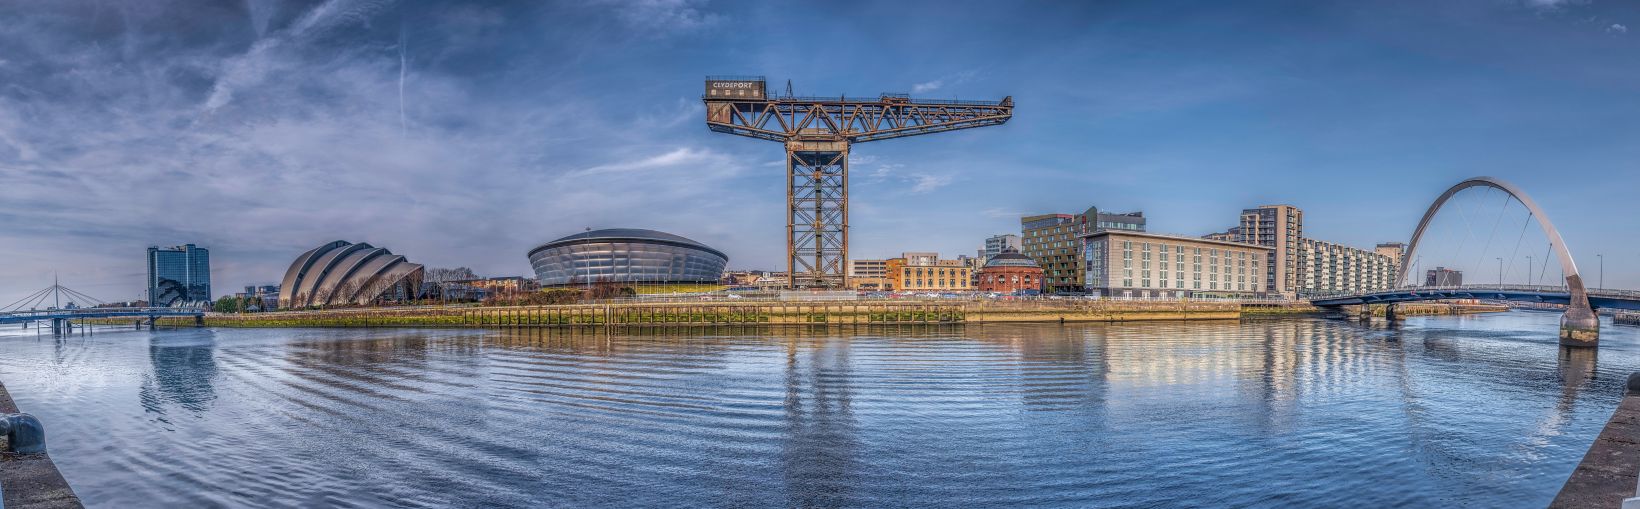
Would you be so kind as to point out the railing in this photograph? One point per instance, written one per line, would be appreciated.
(858, 99)
(48, 313)
(1602, 292)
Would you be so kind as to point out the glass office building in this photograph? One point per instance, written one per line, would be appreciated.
(178, 275)
(626, 255)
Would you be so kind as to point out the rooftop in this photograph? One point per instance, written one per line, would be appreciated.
(1130, 233)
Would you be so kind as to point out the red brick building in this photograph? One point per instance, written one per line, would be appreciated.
(1010, 272)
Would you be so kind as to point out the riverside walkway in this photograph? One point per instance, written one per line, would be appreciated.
(1610, 471)
(30, 481)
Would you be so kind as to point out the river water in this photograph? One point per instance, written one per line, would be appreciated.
(1482, 411)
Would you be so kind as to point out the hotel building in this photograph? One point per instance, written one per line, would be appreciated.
(1127, 264)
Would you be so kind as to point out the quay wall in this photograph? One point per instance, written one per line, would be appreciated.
(31, 481)
(784, 313)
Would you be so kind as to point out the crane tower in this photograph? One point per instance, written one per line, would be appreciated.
(818, 132)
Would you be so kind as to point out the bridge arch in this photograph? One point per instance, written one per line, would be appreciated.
(1574, 282)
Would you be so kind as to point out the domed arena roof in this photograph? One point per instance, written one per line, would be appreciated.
(1011, 259)
(342, 272)
(627, 234)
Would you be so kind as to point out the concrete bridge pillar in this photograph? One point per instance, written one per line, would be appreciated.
(199, 320)
(56, 326)
(1579, 326)
(1389, 312)
(152, 321)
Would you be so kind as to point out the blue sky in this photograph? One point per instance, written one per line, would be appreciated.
(466, 134)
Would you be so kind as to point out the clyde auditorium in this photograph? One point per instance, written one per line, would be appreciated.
(626, 255)
(342, 272)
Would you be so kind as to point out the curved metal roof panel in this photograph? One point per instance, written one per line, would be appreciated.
(627, 234)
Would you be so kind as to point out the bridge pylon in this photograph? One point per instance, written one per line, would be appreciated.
(1579, 325)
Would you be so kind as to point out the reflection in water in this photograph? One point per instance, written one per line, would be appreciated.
(818, 454)
(1485, 412)
(182, 374)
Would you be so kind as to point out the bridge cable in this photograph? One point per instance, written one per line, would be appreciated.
(80, 295)
(1489, 236)
(16, 306)
(1468, 229)
(1516, 251)
(1545, 267)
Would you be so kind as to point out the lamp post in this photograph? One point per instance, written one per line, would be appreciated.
(588, 264)
(1602, 283)
(1529, 281)
(1500, 272)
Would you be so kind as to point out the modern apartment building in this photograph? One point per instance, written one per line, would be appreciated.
(920, 272)
(1278, 227)
(1054, 241)
(1128, 264)
(1326, 267)
(996, 244)
(1442, 276)
(1392, 249)
(178, 275)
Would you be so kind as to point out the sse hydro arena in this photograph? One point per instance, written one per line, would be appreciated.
(626, 255)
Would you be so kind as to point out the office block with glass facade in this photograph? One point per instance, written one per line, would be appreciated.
(178, 275)
(1126, 264)
(1053, 241)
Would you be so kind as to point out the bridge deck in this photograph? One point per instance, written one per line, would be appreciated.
(81, 313)
(1598, 298)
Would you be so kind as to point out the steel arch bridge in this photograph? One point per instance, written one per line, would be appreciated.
(1579, 326)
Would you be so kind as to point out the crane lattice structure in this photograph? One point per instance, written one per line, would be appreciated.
(818, 132)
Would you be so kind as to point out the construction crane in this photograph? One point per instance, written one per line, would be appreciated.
(818, 132)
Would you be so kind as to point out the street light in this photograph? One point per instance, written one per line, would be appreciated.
(1500, 271)
(1529, 281)
(1602, 283)
(588, 264)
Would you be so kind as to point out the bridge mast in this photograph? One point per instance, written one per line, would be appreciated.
(817, 133)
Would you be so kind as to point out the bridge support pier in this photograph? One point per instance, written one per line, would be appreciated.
(56, 326)
(152, 322)
(199, 320)
(1389, 312)
(1579, 326)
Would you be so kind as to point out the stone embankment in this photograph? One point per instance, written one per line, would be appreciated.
(733, 313)
(1608, 474)
(30, 480)
(788, 313)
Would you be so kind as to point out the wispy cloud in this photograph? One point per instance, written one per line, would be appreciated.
(953, 79)
(927, 86)
(265, 143)
(1618, 28)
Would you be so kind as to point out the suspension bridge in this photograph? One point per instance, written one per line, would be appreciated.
(66, 309)
(1579, 325)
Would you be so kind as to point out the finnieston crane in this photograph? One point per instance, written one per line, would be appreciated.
(818, 132)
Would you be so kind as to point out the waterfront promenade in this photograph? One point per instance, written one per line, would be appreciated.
(30, 481)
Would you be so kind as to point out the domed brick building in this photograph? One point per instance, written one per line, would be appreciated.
(1010, 272)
